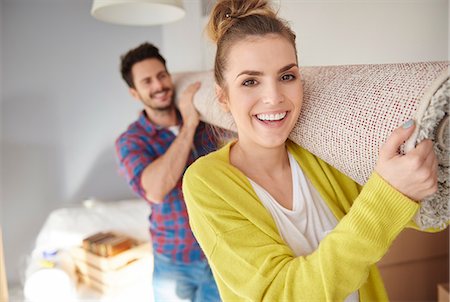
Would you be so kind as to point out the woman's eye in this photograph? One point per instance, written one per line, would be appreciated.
(287, 77)
(249, 83)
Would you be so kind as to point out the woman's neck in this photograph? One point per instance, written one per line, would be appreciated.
(259, 160)
(268, 167)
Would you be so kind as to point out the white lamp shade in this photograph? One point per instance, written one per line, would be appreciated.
(137, 12)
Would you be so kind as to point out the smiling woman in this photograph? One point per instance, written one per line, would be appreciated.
(275, 221)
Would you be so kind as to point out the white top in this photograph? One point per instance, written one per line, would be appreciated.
(310, 219)
(175, 129)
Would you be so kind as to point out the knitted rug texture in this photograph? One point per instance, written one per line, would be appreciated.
(348, 112)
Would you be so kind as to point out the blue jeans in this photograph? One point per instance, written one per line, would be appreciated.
(176, 281)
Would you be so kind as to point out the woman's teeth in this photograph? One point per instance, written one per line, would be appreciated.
(271, 117)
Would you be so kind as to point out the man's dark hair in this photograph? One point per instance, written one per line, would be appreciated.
(136, 55)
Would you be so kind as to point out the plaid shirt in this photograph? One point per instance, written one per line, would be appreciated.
(141, 144)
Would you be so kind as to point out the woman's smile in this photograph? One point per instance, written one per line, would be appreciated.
(271, 119)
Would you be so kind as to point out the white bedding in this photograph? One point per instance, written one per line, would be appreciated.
(66, 228)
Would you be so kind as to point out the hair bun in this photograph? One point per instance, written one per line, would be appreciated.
(226, 12)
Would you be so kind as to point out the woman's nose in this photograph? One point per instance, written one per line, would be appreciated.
(273, 94)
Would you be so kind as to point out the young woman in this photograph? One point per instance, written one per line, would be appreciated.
(275, 222)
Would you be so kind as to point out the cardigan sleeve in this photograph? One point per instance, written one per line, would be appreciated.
(251, 264)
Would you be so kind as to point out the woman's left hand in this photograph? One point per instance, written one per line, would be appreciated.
(414, 174)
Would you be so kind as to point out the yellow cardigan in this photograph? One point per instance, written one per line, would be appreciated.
(251, 262)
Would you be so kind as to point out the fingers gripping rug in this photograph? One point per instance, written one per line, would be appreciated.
(348, 112)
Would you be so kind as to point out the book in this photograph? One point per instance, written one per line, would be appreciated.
(107, 244)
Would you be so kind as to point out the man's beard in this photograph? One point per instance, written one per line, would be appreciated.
(161, 109)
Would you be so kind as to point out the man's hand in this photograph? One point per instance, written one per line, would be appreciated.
(413, 174)
(162, 175)
(191, 117)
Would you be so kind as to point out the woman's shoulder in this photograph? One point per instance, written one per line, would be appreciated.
(218, 156)
(215, 171)
(205, 165)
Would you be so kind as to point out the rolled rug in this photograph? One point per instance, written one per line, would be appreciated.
(348, 112)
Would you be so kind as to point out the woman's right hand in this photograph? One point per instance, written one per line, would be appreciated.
(413, 174)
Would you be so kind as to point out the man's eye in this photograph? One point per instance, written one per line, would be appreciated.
(287, 77)
(249, 83)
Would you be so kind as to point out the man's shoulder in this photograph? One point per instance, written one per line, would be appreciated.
(133, 132)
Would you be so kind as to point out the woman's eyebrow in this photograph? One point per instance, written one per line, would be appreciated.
(287, 67)
(257, 73)
(249, 72)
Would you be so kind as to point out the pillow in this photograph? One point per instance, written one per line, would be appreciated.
(349, 111)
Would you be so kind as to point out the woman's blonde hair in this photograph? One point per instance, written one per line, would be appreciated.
(234, 20)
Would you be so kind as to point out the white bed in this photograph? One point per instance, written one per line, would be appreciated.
(64, 229)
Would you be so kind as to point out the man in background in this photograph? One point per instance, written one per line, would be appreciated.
(153, 154)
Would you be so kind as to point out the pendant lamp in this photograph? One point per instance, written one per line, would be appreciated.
(137, 12)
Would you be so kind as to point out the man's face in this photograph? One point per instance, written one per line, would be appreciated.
(153, 85)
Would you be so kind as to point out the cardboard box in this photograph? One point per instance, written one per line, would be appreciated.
(115, 273)
(443, 292)
(108, 289)
(415, 264)
(114, 262)
(131, 273)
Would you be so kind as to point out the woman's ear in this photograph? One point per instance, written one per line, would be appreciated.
(222, 98)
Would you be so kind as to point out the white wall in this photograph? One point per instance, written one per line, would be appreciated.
(63, 101)
(182, 40)
(63, 104)
(335, 32)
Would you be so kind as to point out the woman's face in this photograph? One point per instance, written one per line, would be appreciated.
(263, 90)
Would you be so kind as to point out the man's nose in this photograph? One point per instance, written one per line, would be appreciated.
(157, 85)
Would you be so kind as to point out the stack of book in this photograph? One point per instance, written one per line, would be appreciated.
(110, 262)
